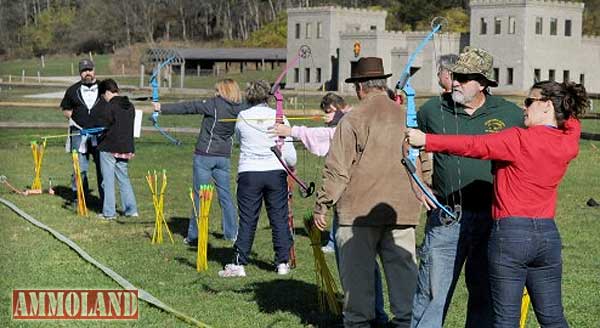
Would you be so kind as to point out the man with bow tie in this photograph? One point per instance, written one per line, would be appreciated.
(84, 108)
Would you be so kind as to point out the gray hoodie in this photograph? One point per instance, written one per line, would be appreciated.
(215, 138)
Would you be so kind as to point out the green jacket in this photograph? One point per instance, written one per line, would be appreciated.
(460, 180)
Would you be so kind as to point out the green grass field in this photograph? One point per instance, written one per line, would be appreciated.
(30, 258)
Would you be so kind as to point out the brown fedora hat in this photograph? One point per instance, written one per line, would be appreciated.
(367, 68)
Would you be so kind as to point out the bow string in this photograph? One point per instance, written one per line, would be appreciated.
(411, 118)
(306, 189)
(155, 98)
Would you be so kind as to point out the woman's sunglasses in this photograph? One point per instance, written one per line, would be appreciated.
(529, 101)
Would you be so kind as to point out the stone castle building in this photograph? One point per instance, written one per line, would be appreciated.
(529, 39)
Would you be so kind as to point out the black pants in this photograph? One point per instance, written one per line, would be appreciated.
(252, 188)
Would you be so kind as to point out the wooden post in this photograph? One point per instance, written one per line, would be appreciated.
(169, 77)
(182, 74)
(262, 65)
(198, 70)
(39, 78)
(123, 69)
(72, 69)
(158, 76)
(23, 76)
(9, 78)
(141, 75)
(218, 70)
(42, 59)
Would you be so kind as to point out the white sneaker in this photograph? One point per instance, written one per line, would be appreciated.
(232, 270)
(283, 268)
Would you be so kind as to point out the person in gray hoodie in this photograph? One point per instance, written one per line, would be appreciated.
(213, 149)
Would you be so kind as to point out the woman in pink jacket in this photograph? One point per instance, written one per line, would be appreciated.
(529, 163)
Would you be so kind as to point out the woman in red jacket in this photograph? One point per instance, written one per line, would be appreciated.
(529, 163)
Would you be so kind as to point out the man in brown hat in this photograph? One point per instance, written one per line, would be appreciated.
(464, 185)
(364, 178)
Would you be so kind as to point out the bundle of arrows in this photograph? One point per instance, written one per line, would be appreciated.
(326, 288)
(201, 212)
(158, 200)
(37, 151)
(81, 207)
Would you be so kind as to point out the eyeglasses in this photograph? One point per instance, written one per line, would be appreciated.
(464, 78)
(529, 101)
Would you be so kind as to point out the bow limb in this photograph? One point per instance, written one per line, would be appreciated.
(410, 160)
(306, 190)
(156, 98)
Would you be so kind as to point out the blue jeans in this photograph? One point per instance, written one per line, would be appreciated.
(115, 167)
(444, 251)
(526, 252)
(253, 188)
(207, 169)
(84, 164)
(380, 315)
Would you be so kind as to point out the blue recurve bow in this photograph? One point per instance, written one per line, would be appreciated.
(411, 120)
(155, 98)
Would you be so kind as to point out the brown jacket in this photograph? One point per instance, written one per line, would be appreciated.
(363, 174)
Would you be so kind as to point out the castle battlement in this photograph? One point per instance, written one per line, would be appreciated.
(306, 10)
(402, 34)
(594, 39)
(544, 3)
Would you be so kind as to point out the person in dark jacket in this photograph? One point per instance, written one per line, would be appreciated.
(83, 107)
(116, 149)
(213, 149)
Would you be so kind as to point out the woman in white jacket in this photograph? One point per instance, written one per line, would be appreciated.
(260, 177)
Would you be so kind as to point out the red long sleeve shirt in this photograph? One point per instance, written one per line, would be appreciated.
(528, 163)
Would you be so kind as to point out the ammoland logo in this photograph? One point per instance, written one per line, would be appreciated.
(74, 304)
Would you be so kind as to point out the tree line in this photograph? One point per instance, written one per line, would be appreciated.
(39, 27)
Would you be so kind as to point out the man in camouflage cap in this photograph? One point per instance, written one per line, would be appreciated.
(465, 186)
(476, 61)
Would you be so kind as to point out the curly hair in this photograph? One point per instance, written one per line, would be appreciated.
(257, 92)
(568, 98)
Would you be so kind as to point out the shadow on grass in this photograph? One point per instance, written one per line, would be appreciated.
(179, 225)
(292, 296)
(224, 255)
(91, 201)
